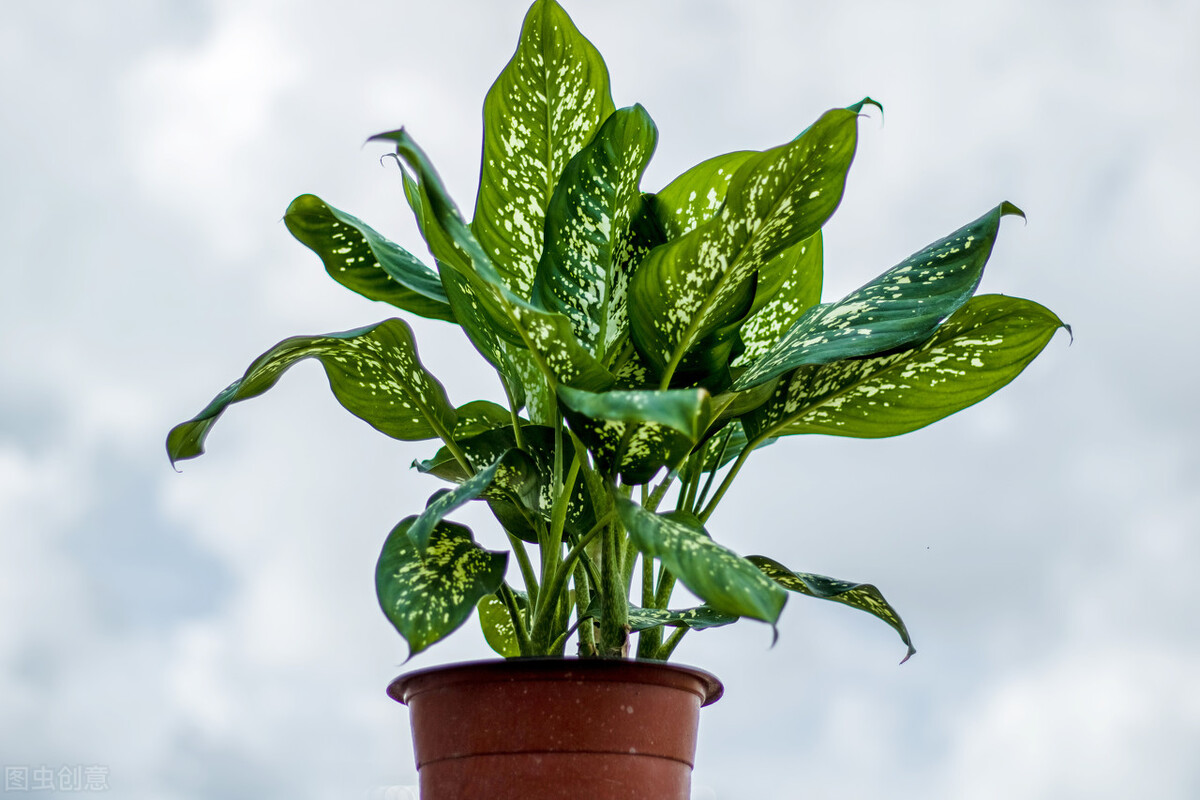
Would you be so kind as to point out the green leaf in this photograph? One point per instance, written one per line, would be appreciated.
(587, 225)
(704, 280)
(862, 596)
(544, 107)
(478, 416)
(724, 580)
(497, 624)
(548, 336)
(788, 285)
(538, 444)
(697, 618)
(901, 306)
(636, 433)
(427, 596)
(512, 473)
(374, 373)
(986, 344)
(697, 195)
(364, 261)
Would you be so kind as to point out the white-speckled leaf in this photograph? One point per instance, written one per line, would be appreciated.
(513, 474)
(788, 285)
(538, 442)
(862, 596)
(697, 195)
(986, 344)
(497, 624)
(703, 280)
(580, 273)
(721, 578)
(901, 306)
(478, 416)
(548, 336)
(636, 433)
(374, 373)
(543, 108)
(426, 596)
(698, 618)
(364, 261)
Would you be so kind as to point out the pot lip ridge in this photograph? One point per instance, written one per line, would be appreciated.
(544, 667)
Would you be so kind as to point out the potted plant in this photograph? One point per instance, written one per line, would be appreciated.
(647, 344)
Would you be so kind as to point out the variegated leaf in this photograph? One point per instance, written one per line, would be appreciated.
(986, 344)
(636, 433)
(478, 416)
(364, 261)
(548, 336)
(788, 285)
(724, 580)
(497, 624)
(901, 306)
(512, 474)
(543, 108)
(374, 373)
(426, 596)
(701, 281)
(697, 618)
(588, 220)
(697, 195)
(538, 443)
(862, 596)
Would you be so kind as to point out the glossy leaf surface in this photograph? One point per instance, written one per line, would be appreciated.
(364, 261)
(724, 580)
(512, 474)
(901, 306)
(697, 618)
(543, 108)
(428, 595)
(374, 373)
(587, 226)
(986, 344)
(548, 336)
(636, 433)
(701, 281)
(862, 596)
(497, 624)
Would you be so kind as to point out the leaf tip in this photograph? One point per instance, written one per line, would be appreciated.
(1009, 209)
(858, 107)
(911, 652)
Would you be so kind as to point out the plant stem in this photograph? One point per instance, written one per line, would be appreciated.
(583, 599)
(518, 437)
(650, 639)
(664, 652)
(614, 615)
(527, 573)
(729, 476)
(518, 619)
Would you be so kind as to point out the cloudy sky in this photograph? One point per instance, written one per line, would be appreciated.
(214, 634)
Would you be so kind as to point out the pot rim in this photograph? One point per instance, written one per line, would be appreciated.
(544, 666)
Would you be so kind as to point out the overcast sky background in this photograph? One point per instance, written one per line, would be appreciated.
(214, 634)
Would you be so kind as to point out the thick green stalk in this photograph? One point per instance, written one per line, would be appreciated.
(650, 639)
(614, 615)
(583, 599)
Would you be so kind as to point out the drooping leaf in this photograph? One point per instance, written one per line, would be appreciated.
(587, 224)
(374, 373)
(697, 618)
(724, 580)
(428, 595)
(513, 474)
(901, 306)
(703, 280)
(544, 107)
(497, 624)
(362, 260)
(986, 344)
(636, 433)
(862, 596)
(548, 336)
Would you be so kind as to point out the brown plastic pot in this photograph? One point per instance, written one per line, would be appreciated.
(555, 729)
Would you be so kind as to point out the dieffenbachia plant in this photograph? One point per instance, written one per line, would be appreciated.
(647, 344)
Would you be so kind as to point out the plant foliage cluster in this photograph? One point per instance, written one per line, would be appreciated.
(647, 342)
